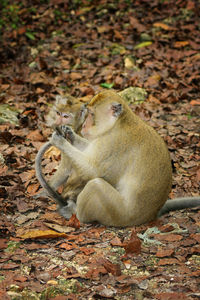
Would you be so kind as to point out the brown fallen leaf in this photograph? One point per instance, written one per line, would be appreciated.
(118, 35)
(164, 252)
(114, 269)
(9, 266)
(181, 44)
(163, 26)
(133, 245)
(42, 234)
(59, 228)
(27, 175)
(35, 135)
(94, 272)
(168, 237)
(33, 188)
(40, 91)
(171, 296)
(74, 222)
(195, 102)
(102, 29)
(67, 246)
(166, 227)
(153, 99)
(196, 236)
(21, 278)
(116, 242)
(3, 243)
(168, 261)
(76, 76)
(87, 251)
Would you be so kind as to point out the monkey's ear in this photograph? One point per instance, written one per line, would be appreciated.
(116, 109)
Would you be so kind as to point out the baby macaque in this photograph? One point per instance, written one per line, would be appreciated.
(70, 111)
(67, 201)
(66, 111)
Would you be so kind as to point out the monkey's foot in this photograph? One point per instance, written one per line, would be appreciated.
(68, 210)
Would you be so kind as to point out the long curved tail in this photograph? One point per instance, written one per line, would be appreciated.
(38, 168)
(179, 203)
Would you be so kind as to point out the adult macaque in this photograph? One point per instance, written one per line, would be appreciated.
(124, 166)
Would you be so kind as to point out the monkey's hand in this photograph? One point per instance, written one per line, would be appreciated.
(57, 140)
(66, 132)
(78, 158)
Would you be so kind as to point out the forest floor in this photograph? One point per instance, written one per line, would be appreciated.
(80, 47)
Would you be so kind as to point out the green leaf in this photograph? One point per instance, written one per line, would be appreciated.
(143, 44)
(107, 85)
(30, 36)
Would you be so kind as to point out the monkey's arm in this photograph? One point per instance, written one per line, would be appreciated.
(76, 140)
(179, 203)
(64, 168)
(78, 159)
(62, 173)
(79, 142)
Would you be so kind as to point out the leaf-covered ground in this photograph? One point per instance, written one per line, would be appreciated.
(52, 47)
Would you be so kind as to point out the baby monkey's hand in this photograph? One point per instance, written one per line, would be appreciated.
(66, 132)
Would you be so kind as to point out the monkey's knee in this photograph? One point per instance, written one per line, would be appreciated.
(99, 201)
(89, 189)
(88, 201)
(94, 183)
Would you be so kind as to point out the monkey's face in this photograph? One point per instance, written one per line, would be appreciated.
(64, 118)
(100, 119)
(65, 112)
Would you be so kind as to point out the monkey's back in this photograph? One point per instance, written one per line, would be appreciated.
(151, 173)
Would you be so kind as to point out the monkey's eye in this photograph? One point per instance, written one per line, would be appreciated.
(58, 113)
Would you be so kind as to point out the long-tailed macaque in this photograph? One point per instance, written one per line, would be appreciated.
(65, 111)
(70, 111)
(124, 166)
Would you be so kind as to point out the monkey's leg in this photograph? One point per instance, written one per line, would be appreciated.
(99, 201)
(62, 173)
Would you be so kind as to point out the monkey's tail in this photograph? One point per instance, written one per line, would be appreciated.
(179, 203)
(38, 168)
